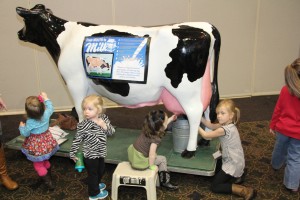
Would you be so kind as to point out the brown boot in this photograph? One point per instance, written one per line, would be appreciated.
(5, 179)
(242, 191)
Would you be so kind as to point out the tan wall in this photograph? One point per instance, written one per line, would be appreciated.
(259, 38)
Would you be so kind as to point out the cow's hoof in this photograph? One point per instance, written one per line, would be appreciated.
(188, 154)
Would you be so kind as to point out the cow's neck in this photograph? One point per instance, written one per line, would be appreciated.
(53, 26)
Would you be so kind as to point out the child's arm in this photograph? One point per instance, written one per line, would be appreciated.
(171, 119)
(25, 129)
(76, 142)
(212, 134)
(104, 122)
(152, 156)
(210, 125)
(48, 104)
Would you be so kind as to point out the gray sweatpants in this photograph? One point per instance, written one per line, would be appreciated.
(161, 162)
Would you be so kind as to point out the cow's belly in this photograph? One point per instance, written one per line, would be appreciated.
(139, 95)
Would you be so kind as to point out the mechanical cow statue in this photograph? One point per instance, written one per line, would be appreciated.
(140, 66)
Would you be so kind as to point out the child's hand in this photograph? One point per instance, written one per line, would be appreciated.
(22, 123)
(44, 96)
(272, 132)
(154, 168)
(74, 159)
(101, 123)
(173, 118)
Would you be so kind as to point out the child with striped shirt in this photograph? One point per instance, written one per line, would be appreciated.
(93, 132)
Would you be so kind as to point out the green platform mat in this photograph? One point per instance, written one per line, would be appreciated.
(202, 164)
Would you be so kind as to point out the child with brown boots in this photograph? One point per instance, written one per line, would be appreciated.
(233, 161)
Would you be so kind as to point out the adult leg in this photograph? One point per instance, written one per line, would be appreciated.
(292, 169)
(5, 179)
(279, 151)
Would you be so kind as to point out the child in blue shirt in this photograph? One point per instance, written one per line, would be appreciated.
(39, 144)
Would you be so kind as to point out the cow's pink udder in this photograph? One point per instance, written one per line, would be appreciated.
(171, 103)
(206, 87)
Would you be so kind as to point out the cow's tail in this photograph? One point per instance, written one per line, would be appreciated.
(215, 90)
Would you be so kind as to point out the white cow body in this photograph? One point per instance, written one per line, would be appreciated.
(188, 97)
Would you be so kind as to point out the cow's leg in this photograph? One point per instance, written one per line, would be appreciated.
(194, 114)
(78, 90)
(206, 116)
(202, 141)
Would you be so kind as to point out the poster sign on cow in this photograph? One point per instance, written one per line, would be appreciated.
(116, 58)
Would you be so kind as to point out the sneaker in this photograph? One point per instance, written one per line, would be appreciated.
(102, 195)
(102, 186)
(292, 190)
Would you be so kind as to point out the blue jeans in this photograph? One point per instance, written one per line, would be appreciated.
(287, 151)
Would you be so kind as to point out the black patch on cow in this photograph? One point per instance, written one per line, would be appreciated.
(214, 101)
(190, 56)
(113, 33)
(113, 87)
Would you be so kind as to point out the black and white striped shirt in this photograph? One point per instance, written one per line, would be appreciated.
(93, 138)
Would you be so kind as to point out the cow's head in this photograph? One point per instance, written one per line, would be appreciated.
(41, 28)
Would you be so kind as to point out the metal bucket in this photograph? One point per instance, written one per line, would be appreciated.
(181, 134)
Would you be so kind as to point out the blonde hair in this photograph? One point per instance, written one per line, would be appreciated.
(96, 100)
(292, 77)
(230, 106)
(34, 107)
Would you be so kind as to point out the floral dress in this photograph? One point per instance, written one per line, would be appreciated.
(39, 144)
